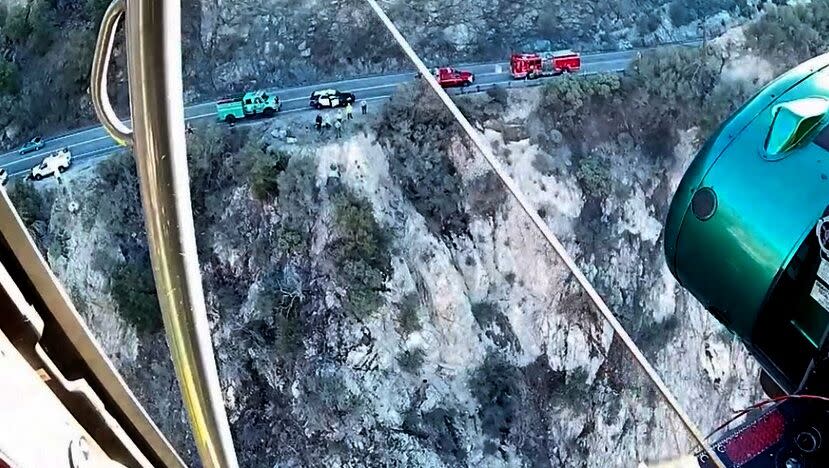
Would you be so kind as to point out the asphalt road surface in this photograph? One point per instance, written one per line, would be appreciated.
(94, 142)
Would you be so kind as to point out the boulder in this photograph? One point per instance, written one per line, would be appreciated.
(494, 124)
(515, 133)
(459, 35)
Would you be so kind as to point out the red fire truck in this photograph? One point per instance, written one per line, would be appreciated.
(544, 64)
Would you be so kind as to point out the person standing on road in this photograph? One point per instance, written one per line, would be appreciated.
(363, 106)
(318, 122)
(326, 122)
(349, 111)
(340, 115)
(339, 128)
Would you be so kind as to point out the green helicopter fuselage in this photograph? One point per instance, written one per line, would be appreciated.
(740, 230)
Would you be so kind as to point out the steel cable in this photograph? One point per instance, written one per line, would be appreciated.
(551, 239)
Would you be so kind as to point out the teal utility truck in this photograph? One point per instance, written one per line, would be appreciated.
(253, 103)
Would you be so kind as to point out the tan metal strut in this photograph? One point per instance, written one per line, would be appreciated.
(153, 33)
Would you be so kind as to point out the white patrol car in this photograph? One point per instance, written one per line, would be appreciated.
(330, 98)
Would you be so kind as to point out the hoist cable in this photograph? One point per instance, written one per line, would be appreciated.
(551, 239)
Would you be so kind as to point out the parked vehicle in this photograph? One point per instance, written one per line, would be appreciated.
(328, 98)
(253, 103)
(450, 77)
(34, 144)
(58, 161)
(535, 65)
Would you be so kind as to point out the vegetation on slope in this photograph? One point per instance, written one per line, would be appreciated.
(789, 35)
(361, 253)
(117, 205)
(46, 51)
(419, 134)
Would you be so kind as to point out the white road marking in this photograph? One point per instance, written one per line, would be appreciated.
(69, 135)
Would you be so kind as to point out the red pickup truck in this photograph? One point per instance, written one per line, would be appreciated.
(450, 78)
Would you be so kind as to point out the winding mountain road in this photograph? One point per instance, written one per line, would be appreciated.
(94, 142)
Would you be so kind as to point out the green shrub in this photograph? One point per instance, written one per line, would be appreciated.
(663, 90)
(675, 81)
(550, 25)
(281, 301)
(647, 23)
(683, 12)
(408, 319)
(485, 195)
(555, 386)
(594, 176)
(788, 35)
(544, 163)
(133, 289)
(58, 246)
(292, 241)
(117, 203)
(218, 161)
(326, 389)
(498, 95)
(360, 235)
(411, 361)
(667, 89)
(205, 162)
(510, 278)
(95, 10)
(51, 100)
(289, 335)
(8, 77)
(80, 45)
(361, 252)
(17, 23)
(437, 430)
(680, 14)
(495, 325)
(567, 102)
(29, 203)
(42, 24)
(514, 401)
(298, 205)
(265, 175)
(204, 146)
(496, 385)
(417, 132)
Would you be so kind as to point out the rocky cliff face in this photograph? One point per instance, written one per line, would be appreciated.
(358, 321)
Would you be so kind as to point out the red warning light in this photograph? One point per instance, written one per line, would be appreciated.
(754, 438)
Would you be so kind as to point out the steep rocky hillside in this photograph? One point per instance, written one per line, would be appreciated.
(46, 45)
(255, 42)
(358, 323)
(379, 300)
